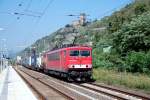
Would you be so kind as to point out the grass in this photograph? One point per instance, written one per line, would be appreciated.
(128, 80)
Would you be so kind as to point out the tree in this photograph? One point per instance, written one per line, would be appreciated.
(134, 35)
(140, 8)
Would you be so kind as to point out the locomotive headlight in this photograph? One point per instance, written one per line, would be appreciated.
(86, 66)
(72, 66)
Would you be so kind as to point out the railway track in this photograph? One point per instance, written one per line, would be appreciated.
(127, 92)
(86, 91)
(38, 94)
(116, 92)
(44, 91)
(75, 92)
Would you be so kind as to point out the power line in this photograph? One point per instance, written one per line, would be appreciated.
(114, 9)
(44, 11)
(28, 6)
(17, 13)
(2, 12)
(37, 12)
(42, 14)
(30, 11)
(12, 23)
(24, 14)
(50, 2)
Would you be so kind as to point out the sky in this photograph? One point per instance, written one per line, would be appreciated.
(18, 31)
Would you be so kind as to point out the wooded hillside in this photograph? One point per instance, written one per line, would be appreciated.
(120, 41)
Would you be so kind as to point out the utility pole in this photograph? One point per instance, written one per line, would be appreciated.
(3, 46)
(44, 44)
(1, 57)
(1, 50)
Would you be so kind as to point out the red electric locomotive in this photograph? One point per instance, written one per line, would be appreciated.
(74, 63)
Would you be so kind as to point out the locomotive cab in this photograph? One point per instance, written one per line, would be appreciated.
(80, 63)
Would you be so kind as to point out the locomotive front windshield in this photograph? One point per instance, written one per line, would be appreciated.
(80, 53)
(85, 53)
(74, 53)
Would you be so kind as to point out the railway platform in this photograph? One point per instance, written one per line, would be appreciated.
(12, 87)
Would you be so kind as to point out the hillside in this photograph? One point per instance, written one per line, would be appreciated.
(120, 42)
(66, 35)
(105, 34)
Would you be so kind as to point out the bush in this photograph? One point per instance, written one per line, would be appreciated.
(148, 60)
(106, 60)
(100, 59)
(138, 62)
(134, 36)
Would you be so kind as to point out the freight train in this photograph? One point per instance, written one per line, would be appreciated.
(73, 63)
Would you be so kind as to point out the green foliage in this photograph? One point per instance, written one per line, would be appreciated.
(134, 36)
(102, 60)
(148, 60)
(140, 8)
(132, 81)
(106, 60)
(99, 59)
(133, 41)
(126, 30)
(138, 62)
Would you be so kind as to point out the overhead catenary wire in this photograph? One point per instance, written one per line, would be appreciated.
(28, 6)
(25, 14)
(114, 9)
(42, 13)
(3, 12)
(30, 11)
(12, 23)
(15, 12)
(50, 2)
